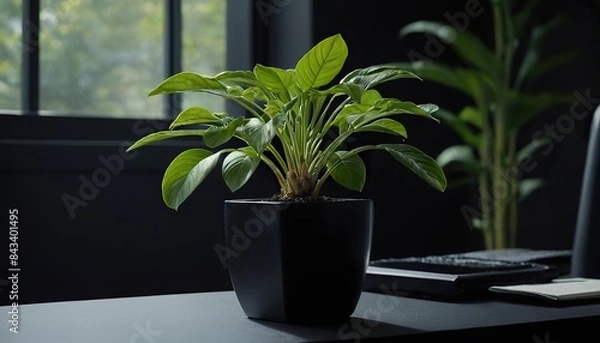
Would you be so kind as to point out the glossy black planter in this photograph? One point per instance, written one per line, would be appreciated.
(298, 262)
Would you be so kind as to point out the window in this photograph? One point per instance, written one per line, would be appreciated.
(100, 58)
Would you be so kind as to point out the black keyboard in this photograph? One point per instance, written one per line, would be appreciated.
(449, 264)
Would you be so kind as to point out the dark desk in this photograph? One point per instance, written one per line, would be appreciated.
(217, 317)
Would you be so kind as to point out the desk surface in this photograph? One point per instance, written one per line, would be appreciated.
(217, 317)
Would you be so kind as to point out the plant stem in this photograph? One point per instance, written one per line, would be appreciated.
(514, 185)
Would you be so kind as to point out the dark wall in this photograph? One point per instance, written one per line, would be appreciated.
(125, 241)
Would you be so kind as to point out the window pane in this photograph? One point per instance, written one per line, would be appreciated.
(100, 58)
(10, 54)
(204, 38)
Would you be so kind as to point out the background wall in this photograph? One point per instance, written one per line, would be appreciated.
(124, 241)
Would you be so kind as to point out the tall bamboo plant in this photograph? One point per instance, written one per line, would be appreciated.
(499, 82)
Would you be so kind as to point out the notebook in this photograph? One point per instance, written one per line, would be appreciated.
(558, 290)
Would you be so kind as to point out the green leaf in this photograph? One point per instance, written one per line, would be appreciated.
(460, 127)
(466, 45)
(187, 81)
(375, 75)
(239, 166)
(385, 125)
(353, 91)
(472, 116)
(370, 97)
(420, 163)
(387, 107)
(242, 78)
(348, 171)
(275, 79)
(217, 135)
(523, 17)
(528, 186)
(260, 134)
(529, 149)
(533, 56)
(466, 81)
(185, 173)
(194, 116)
(459, 157)
(535, 69)
(341, 119)
(162, 135)
(322, 63)
(523, 107)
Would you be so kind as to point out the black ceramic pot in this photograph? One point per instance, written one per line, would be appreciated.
(298, 262)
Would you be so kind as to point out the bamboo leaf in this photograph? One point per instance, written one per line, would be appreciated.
(466, 45)
(528, 186)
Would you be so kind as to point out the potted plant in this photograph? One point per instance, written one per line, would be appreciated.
(500, 83)
(298, 257)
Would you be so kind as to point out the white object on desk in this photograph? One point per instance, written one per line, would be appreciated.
(559, 289)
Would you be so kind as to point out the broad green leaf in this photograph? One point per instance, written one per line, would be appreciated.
(260, 134)
(372, 76)
(239, 166)
(240, 78)
(458, 157)
(370, 97)
(254, 93)
(187, 81)
(341, 119)
(466, 45)
(523, 107)
(322, 63)
(385, 125)
(353, 91)
(528, 186)
(275, 79)
(472, 116)
(217, 135)
(460, 127)
(387, 107)
(420, 163)
(529, 149)
(194, 116)
(162, 135)
(274, 107)
(185, 173)
(348, 171)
